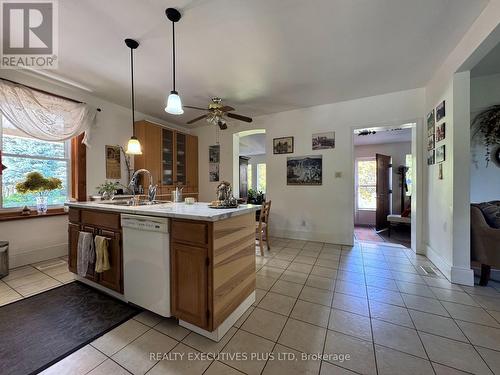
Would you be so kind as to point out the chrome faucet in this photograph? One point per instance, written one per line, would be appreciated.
(151, 189)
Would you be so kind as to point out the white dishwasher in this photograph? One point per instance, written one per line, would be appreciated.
(146, 262)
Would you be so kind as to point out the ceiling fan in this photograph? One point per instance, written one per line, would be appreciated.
(216, 114)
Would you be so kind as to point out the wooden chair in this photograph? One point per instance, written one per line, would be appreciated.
(262, 226)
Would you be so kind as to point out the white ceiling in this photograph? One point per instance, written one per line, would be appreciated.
(254, 144)
(489, 65)
(383, 136)
(261, 56)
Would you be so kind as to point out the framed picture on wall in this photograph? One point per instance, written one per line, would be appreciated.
(440, 132)
(431, 142)
(440, 154)
(431, 157)
(213, 172)
(304, 170)
(431, 121)
(323, 141)
(214, 154)
(283, 145)
(113, 162)
(440, 111)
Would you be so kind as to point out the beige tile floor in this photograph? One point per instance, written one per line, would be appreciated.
(25, 281)
(371, 302)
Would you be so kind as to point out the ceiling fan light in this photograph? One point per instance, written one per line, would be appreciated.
(134, 146)
(174, 104)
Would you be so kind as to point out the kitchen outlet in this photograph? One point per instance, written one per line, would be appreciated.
(338, 174)
(303, 223)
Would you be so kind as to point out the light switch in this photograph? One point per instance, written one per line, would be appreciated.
(338, 174)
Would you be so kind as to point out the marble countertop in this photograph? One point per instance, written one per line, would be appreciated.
(197, 211)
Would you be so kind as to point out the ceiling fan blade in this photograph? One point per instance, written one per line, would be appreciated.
(227, 108)
(196, 119)
(199, 108)
(239, 117)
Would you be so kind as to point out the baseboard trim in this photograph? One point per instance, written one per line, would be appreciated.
(311, 236)
(438, 261)
(463, 276)
(456, 275)
(37, 255)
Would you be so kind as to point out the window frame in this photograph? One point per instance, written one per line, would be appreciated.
(69, 168)
(358, 185)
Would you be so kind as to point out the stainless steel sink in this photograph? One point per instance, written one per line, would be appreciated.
(130, 203)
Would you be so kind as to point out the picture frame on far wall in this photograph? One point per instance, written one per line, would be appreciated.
(440, 154)
(214, 154)
(431, 157)
(431, 121)
(113, 162)
(283, 145)
(440, 132)
(213, 172)
(323, 141)
(431, 143)
(440, 111)
(304, 170)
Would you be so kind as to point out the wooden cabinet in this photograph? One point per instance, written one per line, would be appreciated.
(212, 268)
(106, 224)
(171, 156)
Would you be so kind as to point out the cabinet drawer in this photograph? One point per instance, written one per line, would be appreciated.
(74, 215)
(190, 232)
(101, 219)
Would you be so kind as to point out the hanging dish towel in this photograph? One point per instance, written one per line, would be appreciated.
(101, 251)
(86, 253)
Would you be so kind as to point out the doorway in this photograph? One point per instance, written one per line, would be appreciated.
(250, 179)
(383, 184)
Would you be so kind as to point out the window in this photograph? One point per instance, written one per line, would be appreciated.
(409, 172)
(366, 182)
(249, 176)
(261, 177)
(22, 154)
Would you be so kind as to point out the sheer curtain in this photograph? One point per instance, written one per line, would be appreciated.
(44, 116)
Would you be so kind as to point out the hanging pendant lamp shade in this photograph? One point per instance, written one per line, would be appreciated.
(174, 102)
(133, 145)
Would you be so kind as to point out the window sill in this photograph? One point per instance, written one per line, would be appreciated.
(367, 209)
(16, 215)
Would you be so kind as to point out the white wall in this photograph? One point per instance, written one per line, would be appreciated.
(484, 181)
(37, 239)
(446, 209)
(398, 152)
(324, 212)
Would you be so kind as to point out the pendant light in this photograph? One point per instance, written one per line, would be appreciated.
(174, 103)
(133, 145)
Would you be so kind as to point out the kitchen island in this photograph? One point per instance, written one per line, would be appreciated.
(210, 255)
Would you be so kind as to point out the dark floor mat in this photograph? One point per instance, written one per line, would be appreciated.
(41, 330)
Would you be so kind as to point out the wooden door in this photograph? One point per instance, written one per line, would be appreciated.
(113, 278)
(383, 191)
(73, 234)
(189, 277)
(244, 177)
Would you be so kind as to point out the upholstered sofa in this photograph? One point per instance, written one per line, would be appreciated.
(485, 237)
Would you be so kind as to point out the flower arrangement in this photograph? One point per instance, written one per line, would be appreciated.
(36, 183)
(487, 125)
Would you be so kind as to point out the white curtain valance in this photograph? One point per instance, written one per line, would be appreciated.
(44, 116)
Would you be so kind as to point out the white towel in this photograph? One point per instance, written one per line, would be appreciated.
(86, 252)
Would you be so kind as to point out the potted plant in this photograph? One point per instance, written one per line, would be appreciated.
(107, 190)
(255, 197)
(487, 125)
(35, 182)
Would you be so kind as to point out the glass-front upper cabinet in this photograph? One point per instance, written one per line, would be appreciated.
(181, 159)
(167, 157)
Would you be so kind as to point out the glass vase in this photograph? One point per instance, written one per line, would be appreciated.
(41, 204)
